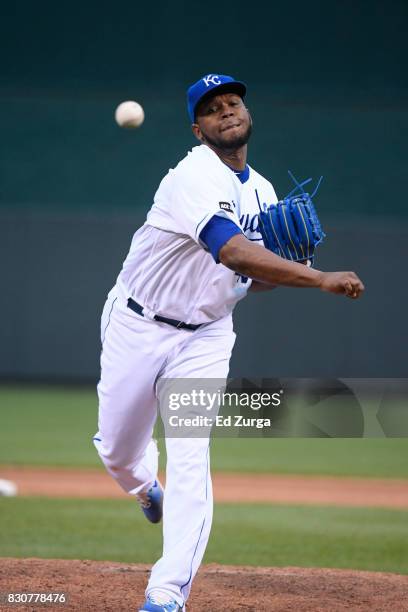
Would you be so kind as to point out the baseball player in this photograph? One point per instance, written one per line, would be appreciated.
(169, 316)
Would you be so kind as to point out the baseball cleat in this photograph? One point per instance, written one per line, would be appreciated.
(160, 604)
(151, 502)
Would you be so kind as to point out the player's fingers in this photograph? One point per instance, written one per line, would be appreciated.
(358, 286)
(348, 288)
(354, 289)
(356, 282)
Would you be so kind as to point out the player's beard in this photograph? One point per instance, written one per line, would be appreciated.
(229, 144)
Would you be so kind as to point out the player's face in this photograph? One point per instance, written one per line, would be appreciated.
(223, 121)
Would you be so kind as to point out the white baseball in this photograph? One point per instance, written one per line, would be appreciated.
(7, 488)
(129, 114)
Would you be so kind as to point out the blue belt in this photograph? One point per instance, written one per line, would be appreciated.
(138, 309)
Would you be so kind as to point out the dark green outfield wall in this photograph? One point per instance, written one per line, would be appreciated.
(328, 91)
(65, 265)
(69, 154)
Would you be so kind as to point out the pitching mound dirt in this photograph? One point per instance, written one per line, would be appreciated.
(117, 587)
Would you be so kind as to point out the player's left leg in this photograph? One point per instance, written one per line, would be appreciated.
(188, 502)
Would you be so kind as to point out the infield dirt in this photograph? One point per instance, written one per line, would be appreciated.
(115, 587)
(228, 487)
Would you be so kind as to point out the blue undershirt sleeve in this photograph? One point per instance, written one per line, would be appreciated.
(216, 233)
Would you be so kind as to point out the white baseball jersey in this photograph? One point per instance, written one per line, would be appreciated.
(168, 269)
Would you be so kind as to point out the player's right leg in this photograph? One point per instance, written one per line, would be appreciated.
(132, 354)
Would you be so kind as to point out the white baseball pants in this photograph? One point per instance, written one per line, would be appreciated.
(136, 352)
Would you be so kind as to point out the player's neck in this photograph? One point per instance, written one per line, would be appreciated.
(234, 158)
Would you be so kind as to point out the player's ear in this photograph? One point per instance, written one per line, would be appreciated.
(197, 132)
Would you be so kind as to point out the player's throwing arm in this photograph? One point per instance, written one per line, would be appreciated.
(246, 258)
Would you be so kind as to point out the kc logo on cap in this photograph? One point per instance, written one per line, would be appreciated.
(211, 82)
(212, 78)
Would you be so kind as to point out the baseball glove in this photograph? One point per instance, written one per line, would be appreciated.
(291, 228)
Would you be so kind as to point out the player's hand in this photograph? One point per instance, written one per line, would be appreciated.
(346, 283)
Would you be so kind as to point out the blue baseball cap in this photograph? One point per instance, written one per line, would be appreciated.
(216, 83)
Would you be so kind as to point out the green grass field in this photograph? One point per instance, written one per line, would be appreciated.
(54, 426)
(359, 538)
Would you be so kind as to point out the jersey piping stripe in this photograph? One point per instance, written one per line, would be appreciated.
(107, 325)
(202, 527)
(200, 222)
